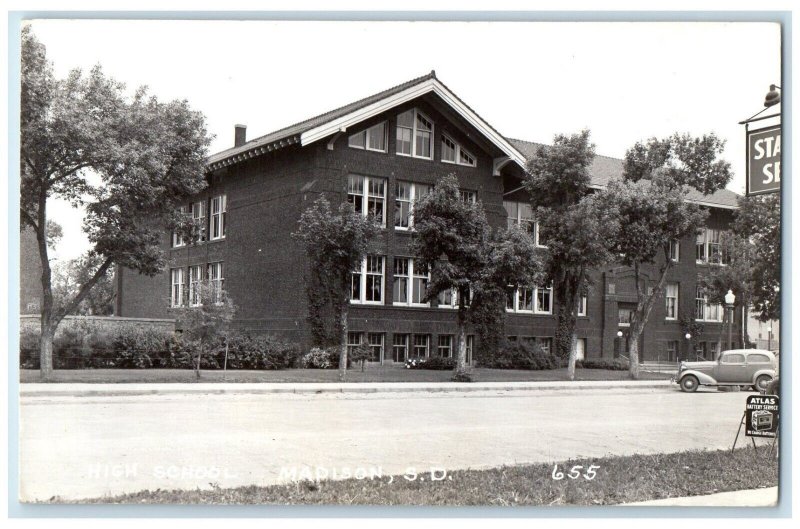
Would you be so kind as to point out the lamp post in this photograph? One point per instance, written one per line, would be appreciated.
(730, 299)
(688, 344)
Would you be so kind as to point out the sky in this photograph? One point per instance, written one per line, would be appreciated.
(625, 82)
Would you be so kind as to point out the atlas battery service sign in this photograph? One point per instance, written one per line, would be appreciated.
(761, 416)
(764, 160)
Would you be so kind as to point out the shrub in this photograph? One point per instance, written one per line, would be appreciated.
(361, 354)
(256, 352)
(520, 355)
(319, 358)
(435, 362)
(461, 377)
(617, 364)
(29, 349)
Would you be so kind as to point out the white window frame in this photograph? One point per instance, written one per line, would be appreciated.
(199, 216)
(366, 134)
(412, 350)
(536, 309)
(219, 210)
(414, 196)
(366, 195)
(583, 305)
(707, 243)
(401, 346)
(674, 297)
(381, 344)
(351, 344)
(195, 279)
(410, 290)
(675, 251)
(470, 347)
(457, 150)
(216, 277)
(447, 345)
(416, 112)
(534, 226)
(362, 277)
(177, 240)
(702, 301)
(534, 301)
(468, 196)
(176, 287)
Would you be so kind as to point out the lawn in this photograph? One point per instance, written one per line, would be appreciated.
(616, 480)
(370, 374)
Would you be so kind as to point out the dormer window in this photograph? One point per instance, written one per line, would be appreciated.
(371, 139)
(414, 134)
(453, 152)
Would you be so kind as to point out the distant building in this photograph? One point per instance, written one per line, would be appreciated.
(381, 153)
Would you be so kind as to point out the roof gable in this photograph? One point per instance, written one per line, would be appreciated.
(338, 120)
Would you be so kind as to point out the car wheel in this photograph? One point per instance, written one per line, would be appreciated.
(689, 383)
(762, 382)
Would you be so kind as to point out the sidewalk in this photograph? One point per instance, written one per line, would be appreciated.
(94, 390)
(738, 498)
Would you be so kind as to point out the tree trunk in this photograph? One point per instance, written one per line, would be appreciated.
(46, 351)
(634, 350)
(342, 344)
(745, 336)
(197, 366)
(461, 356)
(573, 357)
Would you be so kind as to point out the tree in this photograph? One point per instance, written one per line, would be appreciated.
(129, 161)
(576, 229)
(736, 276)
(758, 220)
(67, 279)
(335, 243)
(453, 240)
(650, 203)
(205, 319)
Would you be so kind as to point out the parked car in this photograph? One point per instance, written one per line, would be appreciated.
(737, 367)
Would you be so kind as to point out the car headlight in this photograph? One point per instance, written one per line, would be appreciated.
(682, 367)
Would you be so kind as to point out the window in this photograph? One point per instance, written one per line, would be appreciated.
(529, 300)
(410, 282)
(368, 196)
(672, 351)
(625, 316)
(470, 347)
(400, 347)
(708, 248)
(469, 197)
(453, 152)
(580, 349)
(195, 278)
(712, 349)
(219, 209)
(421, 342)
(582, 305)
(705, 311)
(675, 251)
(414, 134)
(672, 301)
(546, 344)
(735, 358)
(367, 281)
(448, 299)
(375, 341)
(176, 297)
(758, 359)
(199, 216)
(445, 346)
(177, 237)
(217, 281)
(354, 339)
(371, 139)
(405, 194)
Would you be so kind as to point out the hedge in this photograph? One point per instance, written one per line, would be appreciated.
(520, 355)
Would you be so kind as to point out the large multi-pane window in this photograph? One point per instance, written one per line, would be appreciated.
(219, 211)
(199, 217)
(672, 301)
(367, 281)
(400, 347)
(521, 214)
(406, 193)
(176, 292)
(410, 282)
(708, 248)
(177, 238)
(195, 278)
(368, 196)
(421, 344)
(375, 341)
(354, 339)
(216, 279)
(537, 300)
(704, 310)
(444, 346)
(371, 139)
(414, 134)
(453, 152)
(450, 299)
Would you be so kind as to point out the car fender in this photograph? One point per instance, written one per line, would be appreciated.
(770, 372)
(703, 378)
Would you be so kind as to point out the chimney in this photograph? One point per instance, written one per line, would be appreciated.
(241, 135)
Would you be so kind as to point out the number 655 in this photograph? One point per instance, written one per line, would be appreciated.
(575, 472)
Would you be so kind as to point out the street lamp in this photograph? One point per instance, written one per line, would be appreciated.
(730, 299)
(688, 345)
(773, 96)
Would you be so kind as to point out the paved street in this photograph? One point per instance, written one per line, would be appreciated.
(77, 447)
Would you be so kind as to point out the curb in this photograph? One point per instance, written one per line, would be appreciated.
(331, 388)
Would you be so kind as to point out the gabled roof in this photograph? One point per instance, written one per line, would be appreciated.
(604, 169)
(324, 125)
